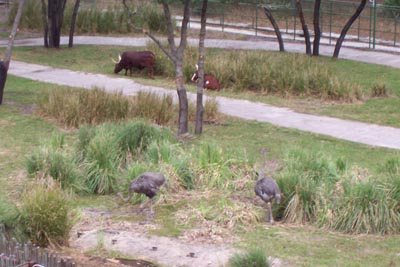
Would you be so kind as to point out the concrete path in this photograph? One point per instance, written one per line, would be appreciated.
(369, 134)
(351, 52)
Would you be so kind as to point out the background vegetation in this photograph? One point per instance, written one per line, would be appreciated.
(328, 184)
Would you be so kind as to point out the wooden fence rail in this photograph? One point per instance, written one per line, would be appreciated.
(13, 254)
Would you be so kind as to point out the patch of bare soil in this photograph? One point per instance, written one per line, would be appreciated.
(99, 230)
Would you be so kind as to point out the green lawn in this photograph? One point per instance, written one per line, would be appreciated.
(296, 245)
(384, 111)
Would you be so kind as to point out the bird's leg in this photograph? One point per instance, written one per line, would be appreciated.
(271, 218)
(151, 207)
(144, 204)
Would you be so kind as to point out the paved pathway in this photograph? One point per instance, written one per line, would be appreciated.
(369, 134)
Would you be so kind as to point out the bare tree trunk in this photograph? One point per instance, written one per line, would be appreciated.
(304, 26)
(317, 30)
(175, 54)
(4, 65)
(347, 27)
(56, 16)
(200, 81)
(73, 21)
(276, 28)
(45, 24)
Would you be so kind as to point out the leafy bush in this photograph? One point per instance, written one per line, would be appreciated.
(101, 162)
(74, 107)
(9, 217)
(52, 161)
(365, 208)
(253, 258)
(46, 216)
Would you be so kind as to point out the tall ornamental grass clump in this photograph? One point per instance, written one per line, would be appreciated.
(92, 19)
(252, 258)
(74, 107)
(159, 109)
(9, 218)
(46, 216)
(101, 163)
(304, 181)
(77, 107)
(331, 194)
(265, 72)
(216, 167)
(105, 149)
(51, 160)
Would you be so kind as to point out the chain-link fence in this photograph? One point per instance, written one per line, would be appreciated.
(377, 24)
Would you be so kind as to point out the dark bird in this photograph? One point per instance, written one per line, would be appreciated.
(148, 183)
(267, 189)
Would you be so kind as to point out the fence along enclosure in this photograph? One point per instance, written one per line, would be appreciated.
(13, 254)
(377, 24)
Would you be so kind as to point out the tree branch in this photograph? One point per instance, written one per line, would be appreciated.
(152, 37)
(185, 21)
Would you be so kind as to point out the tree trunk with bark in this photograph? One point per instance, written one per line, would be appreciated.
(200, 81)
(271, 18)
(346, 27)
(4, 65)
(175, 53)
(317, 30)
(45, 24)
(304, 26)
(73, 21)
(56, 16)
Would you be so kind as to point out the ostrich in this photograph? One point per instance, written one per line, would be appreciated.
(148, 183)
(267, 188)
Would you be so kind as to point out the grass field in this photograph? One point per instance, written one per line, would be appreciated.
(297, 245)
(379, 110)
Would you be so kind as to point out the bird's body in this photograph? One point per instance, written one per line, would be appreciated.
(267, 189)
(147, 183)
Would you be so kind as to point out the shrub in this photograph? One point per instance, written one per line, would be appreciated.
(9, 217)
(46, 216)
(364, 208)
(101, 162)
(156, 108)
(52, 161)
(74, 107)
(135, 137)
(252, 258)
(379, 90)
(304, 182)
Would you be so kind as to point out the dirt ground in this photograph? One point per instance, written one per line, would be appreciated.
(99, 231)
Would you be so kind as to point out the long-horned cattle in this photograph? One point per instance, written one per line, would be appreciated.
(210, 81)
(135, 59)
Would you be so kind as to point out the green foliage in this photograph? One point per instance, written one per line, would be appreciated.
(51, 160)
(9, 217)
(252, 258)
(134, 138)
(74, 107)
(101, 162)
(46, 216)
(159, 109)
(365, 208)
(379, 90)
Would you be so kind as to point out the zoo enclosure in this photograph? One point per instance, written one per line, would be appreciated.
(377, 24)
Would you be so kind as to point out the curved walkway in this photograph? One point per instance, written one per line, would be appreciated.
(370, 134)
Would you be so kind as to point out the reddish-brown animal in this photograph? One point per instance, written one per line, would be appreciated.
(136, 59)
(210, 81)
